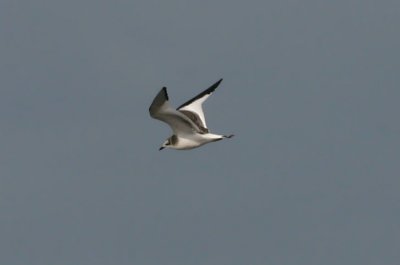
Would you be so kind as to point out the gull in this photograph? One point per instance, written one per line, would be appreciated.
(187, 122)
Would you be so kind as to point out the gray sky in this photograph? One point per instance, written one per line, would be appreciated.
(311, 91)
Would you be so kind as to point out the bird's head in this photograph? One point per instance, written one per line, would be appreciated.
(166, 144)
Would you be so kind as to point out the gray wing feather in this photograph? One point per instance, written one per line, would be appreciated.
(160, 109)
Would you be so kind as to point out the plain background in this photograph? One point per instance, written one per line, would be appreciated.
(311, 91)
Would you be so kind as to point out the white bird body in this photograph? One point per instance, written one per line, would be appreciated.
(195, 140)
(187, 121)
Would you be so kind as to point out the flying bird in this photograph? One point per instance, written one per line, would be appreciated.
(187, 122)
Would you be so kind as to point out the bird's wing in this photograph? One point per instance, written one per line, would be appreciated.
(160, 109)
(193, 107)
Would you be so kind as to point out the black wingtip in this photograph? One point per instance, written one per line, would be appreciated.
(205, 92)
(214, 86)
(164, 89)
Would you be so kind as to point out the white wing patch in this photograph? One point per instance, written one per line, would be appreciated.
(197, 108)
(195, 105)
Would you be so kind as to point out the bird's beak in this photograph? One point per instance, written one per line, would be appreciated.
(161, 148)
